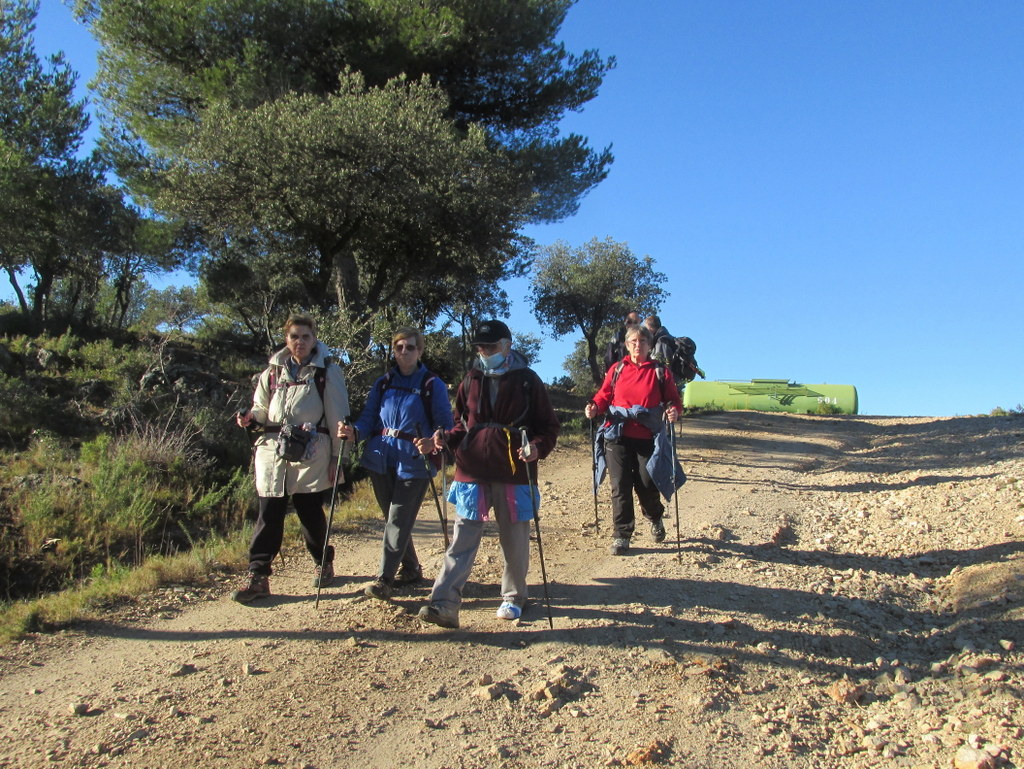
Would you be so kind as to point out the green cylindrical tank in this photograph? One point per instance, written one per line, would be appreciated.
(772, 395)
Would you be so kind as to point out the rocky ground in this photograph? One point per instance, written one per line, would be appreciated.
(845, 592)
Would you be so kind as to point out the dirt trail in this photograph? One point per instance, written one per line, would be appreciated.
(847, 594)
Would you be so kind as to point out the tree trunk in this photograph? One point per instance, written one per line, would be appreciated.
(122, 301)
(592, 352)
(13, 277)
(41, 298)
(351, 303)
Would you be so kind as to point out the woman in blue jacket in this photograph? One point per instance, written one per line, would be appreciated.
(403, 410)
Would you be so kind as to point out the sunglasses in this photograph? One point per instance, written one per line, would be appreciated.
(402, 347)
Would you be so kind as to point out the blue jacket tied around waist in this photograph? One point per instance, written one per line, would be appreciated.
(663, 468)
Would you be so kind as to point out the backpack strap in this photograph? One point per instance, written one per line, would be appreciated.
(659, 370)
(425, 391)
(319, 380)
(517, 422)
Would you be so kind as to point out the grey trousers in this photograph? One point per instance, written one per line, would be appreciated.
(514, 537)
(399, 499)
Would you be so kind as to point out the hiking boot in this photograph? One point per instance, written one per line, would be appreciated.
(438, 616)
(408, 576)
(509, 610)
(257, 586)
(620, 546)
(378, 589)
(323, 575)
(658, 530)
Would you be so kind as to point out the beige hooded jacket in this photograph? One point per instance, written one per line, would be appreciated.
(296, 401)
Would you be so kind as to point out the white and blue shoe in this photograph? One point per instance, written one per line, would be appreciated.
(509, 610)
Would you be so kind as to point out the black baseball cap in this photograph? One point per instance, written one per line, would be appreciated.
(491, 331)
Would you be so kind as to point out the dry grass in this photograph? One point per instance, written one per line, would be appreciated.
(57, 610)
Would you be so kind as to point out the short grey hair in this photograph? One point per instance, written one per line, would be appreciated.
(643, 331)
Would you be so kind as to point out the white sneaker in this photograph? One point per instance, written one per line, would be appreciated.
(508, 610)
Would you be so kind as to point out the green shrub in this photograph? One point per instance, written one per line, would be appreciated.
(826, 409)
(26, 407)
(999, 411)
(226, 503)
(67, 344)
(50, 512)
(122, 507)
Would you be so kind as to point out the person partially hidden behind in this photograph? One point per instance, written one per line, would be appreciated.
(616, 349)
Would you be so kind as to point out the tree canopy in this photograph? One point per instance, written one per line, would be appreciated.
(372, 191)
(49, 198)
(79, 246)
(591, 288)
(386, 146)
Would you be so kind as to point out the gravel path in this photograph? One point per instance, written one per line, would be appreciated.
(846, 593)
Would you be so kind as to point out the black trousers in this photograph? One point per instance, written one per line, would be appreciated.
(269, 531)
(627, 472)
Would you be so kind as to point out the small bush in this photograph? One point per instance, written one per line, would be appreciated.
(226, 504)
(826, 409)
(26, 407)
(999, 411)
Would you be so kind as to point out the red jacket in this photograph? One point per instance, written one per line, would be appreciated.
(637, 385)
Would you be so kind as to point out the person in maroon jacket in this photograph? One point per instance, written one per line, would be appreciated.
(637, 394)
(503, 420)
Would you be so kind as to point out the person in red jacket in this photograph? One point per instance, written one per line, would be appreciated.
(500, 402)
(637, 393)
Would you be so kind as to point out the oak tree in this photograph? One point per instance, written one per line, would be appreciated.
(591, 288)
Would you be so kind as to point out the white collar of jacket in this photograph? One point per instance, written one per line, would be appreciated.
(317, 358)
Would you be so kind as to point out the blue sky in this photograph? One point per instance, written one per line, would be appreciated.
(834, 189)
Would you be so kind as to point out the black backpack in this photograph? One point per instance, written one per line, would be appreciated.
(683, 363)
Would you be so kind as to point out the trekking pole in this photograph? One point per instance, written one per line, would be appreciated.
(536, 522)
(252, 430)
(593, 475)
(444, 488)
(675, 491)
(330, 521)
(433, 489)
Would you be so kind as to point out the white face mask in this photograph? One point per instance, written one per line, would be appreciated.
(491, 361)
